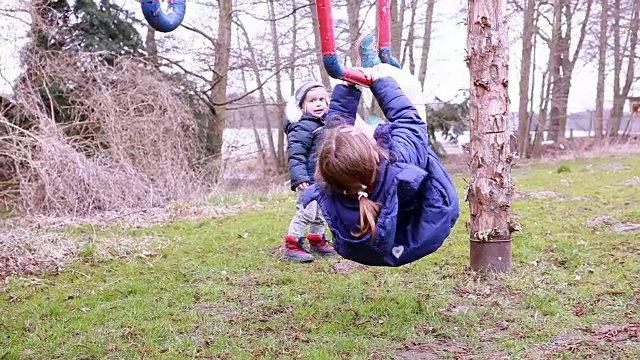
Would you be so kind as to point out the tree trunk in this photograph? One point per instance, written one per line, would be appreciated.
(407, 53)
(620, 92)
(294, 41)
(555, 81)
(282, 160)
(547, 81)
(528, 145)
(602, 62)
(564, 65)
(151, 47)
(353, 19)
(278, 65)
(545, 92)
(426, 41)
(218, 96)
(397, 26)
(525, 70)
(490, 187)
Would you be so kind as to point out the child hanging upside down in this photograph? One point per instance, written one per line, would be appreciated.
(387, 199)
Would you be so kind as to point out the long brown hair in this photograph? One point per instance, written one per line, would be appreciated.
(348, 163)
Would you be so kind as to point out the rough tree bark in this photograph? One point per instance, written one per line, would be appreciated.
(525, 70)
(490, 188)
(602, 62)
(218, 95)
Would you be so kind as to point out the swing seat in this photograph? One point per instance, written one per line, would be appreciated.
(160, 20)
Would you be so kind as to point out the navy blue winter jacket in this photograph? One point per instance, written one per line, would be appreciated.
(303, 142)
(305, 133)
(419, 201)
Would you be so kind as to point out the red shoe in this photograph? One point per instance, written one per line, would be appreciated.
(320, 246)
(295, 251)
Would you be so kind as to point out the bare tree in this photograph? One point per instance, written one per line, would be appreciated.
(353, 21)
(525, 70)
(409, 45)
(564, 65)
(622, 52)
(218, 94)
(426, 41)
(397, 25)
(602, 62)
(294, 47)
(490, 187)
(279, 99)
(548, 78)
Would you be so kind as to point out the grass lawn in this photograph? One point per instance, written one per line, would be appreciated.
(216, 289)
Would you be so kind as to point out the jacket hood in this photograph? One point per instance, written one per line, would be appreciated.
(292, 112)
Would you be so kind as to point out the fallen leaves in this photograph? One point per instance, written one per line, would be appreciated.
(616, 333)
(579, 310)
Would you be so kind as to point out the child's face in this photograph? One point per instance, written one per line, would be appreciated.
(315, 103)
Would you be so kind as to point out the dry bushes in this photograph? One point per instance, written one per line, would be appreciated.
(131, 142)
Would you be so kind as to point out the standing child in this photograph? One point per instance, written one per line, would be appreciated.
(305, 128)
(387, 198)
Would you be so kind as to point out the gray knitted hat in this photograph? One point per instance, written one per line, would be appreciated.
(302, 91)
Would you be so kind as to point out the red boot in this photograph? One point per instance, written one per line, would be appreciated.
(320, 246)
(295, 251)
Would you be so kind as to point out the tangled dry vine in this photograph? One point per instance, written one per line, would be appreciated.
(131, 140)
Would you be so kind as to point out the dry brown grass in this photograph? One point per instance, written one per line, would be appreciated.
(30, 252)
(40, 244)
(135, 145)
(588, 148)
(578, 148)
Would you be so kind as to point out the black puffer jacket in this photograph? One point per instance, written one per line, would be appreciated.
(304, 136)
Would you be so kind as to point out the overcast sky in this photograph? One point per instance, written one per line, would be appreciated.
(447, 73)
